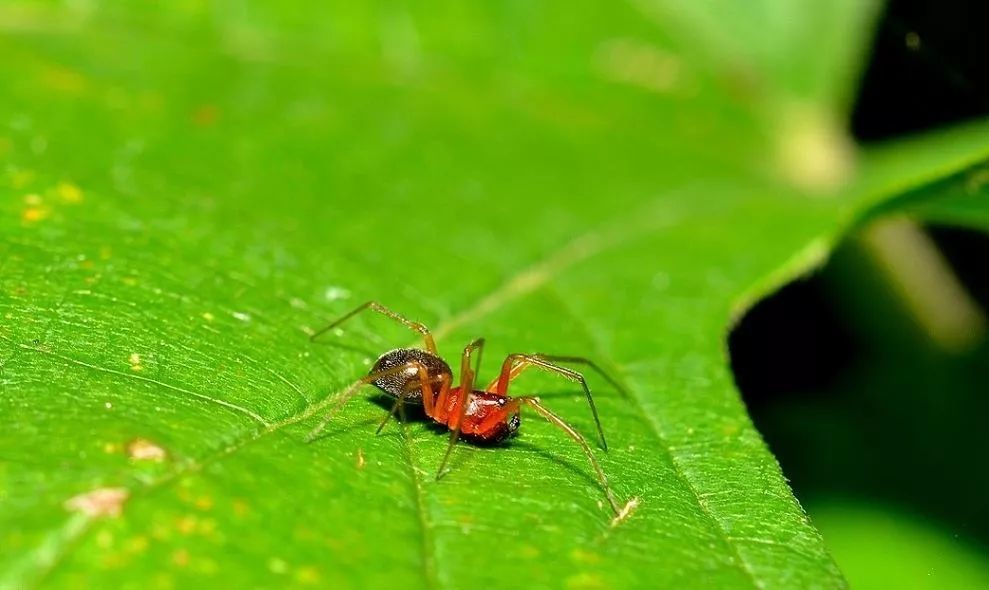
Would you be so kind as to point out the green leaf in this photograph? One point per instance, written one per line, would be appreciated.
(188, 193)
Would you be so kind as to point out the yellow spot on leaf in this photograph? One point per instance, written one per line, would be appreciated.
(307, 575)
(240, 508)
(180, 557)
(64, 80)
(208, 316)
(640, 64)
(68, 192)
(137, 544)
(186, 525)
(135, 362)
(21, 178)
(581, 556)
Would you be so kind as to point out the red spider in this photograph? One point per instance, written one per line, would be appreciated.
(414, 375)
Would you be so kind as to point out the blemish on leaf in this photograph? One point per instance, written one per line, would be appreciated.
(276, 565)
(581, 556)
(137, 544)
(583, 580)
(361, 462)
(241, 316)
(186, 525)
(206, 115)
(241, 508)
(135, 362)
(21, 178)
(639, 64)
(208, 316)
(108, 406)
(297, 303)
(626, 511)
(333, 293)
(64, 80)
(68, 192)
(104, 539)
(111, 448)
(307, 575)
(142, 449)
(529, 552)
(99, 502)
(35, 209)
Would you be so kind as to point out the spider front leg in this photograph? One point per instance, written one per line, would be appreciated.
(515, 364)
(421, 329)
(421, 371)
(427, 397)
(467, 377)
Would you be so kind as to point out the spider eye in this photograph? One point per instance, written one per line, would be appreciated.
(502, 401)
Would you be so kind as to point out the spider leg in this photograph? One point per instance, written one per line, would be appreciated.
(534, 403)
(514, 364)
(580, 360)
(427, 396)
(467, 377)
(351, 390)
(375, 306)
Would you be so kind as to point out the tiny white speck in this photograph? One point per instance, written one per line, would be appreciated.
(241, 316)
(335, 293)
(297, 303)
(108, 405)
(367, 362)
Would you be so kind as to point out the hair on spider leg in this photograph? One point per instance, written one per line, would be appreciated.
(487, 416)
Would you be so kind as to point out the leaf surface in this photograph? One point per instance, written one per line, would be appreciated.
(188, 194)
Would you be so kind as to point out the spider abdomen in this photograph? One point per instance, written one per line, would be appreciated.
(485, 418)
(408, 382)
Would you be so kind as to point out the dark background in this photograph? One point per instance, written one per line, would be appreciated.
(853, 398)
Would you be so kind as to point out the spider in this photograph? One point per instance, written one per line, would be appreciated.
(419, 376)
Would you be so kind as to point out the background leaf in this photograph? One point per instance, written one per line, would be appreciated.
(189, 191)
